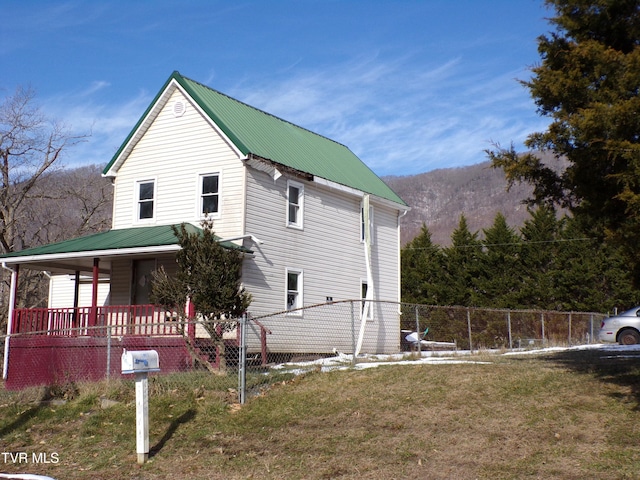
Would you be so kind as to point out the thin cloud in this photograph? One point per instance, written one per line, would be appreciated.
(106, 124)
(391, 114)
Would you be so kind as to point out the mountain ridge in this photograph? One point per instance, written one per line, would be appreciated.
(439, 197)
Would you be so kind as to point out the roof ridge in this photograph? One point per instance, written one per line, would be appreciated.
(261, 111)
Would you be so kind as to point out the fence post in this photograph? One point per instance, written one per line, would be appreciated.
(509, 328)
(542, 323)
(591, 328)
(569, 328)
(418, 332)
(353, 337)
(242, 360)
(469, 329)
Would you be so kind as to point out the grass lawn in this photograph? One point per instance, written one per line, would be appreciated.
(565, 415)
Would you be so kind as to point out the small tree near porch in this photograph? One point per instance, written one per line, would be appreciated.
(210, 276)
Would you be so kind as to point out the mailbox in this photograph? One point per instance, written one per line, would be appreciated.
(140, 361)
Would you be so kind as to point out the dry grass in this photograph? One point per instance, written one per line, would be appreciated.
(564, 416)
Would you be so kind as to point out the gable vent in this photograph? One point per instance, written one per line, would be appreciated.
(179, 108)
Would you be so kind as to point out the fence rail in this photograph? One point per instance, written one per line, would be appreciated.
(485, 328)
(49, 346)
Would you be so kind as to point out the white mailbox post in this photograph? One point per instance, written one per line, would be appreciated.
(141, 362)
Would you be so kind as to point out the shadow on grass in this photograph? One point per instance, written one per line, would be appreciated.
(619, 366)
(184, 418)
(24, 418)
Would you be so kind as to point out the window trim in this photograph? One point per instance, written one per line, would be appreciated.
(294, 311)
(201, 195)
(136, 208)
(363, 282)
(299, 223)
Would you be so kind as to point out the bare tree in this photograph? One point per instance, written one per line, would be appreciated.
(31, 147)
(67, 204)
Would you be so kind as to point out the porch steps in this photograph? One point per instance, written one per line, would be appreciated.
(207, 350)
(203, 352)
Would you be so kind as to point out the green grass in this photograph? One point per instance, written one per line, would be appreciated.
(567, 415)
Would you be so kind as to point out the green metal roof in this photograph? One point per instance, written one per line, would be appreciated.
(139, 237)
(256, 132)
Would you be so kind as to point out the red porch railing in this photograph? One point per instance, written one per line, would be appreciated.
(118, 320)
(121, 319)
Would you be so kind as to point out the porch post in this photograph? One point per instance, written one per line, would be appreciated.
(76, 296)
(10, 327)
(93, 321)
(76, 291)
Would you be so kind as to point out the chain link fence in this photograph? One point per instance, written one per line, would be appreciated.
(248, 354)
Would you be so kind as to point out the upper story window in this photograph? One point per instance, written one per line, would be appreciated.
(295, 204)
(364, 224)
(146, 199)
(210, 194)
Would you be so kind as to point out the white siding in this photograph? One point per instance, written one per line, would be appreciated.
(174, 151)
(121, 282)
(62, 289)
(327, 250)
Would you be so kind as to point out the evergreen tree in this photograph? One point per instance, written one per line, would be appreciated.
(588, 84)
(499, 280)
(540, 235)
(591, 275)
(461, 265)
(210, 275)
(421, 262)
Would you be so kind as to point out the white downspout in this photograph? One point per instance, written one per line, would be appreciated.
(12, 301)
(366, 311)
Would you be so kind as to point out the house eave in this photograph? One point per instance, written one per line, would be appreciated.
(358, 193)
(92, 254)
(275, 170)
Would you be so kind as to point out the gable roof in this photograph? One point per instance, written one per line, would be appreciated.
(257, 133)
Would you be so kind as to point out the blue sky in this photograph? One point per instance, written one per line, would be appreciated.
(409, 86)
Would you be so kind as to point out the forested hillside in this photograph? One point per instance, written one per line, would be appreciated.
(64, 204)
(438, 198)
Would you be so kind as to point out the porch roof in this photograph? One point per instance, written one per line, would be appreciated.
(78, 253)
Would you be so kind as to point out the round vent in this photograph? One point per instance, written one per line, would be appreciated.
(179, 108)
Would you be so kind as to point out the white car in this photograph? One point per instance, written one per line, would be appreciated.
(623, 328)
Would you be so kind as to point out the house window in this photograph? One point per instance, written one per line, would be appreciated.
(363, 227)
(364, 288)
(294, 289)
(210, 194)
(146, 194)
(295, 197)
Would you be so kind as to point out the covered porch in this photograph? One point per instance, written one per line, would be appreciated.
(79, 341)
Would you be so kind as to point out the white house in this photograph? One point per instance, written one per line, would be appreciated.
(318, 223)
